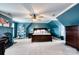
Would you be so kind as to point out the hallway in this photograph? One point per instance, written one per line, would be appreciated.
(26, 47)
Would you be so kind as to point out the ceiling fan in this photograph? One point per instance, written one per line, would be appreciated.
(35, 17)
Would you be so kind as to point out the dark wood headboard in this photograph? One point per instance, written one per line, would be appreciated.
(41, 29)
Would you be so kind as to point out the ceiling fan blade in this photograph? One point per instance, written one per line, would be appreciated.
(29, 7)
(46, 12)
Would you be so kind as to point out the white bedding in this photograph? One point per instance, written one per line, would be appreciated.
(41, 32)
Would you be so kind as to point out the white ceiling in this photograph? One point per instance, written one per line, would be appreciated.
(20, 11)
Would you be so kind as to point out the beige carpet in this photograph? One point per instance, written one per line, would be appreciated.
(26, 47)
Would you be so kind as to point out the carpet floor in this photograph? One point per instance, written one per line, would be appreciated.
(26, 47)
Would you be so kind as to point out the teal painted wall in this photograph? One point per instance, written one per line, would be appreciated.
(15, 29)
(70, 17)
(37, 25)
(6, 29)
(54, 28)
(57, 29)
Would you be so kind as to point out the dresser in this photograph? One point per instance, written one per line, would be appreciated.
(72, 36)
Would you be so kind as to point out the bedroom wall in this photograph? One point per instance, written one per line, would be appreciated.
(15, 29)
(5, 29)
(37, 25)
(70, 17)
(57, 29)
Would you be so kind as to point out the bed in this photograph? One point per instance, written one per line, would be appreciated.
(41, 35)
